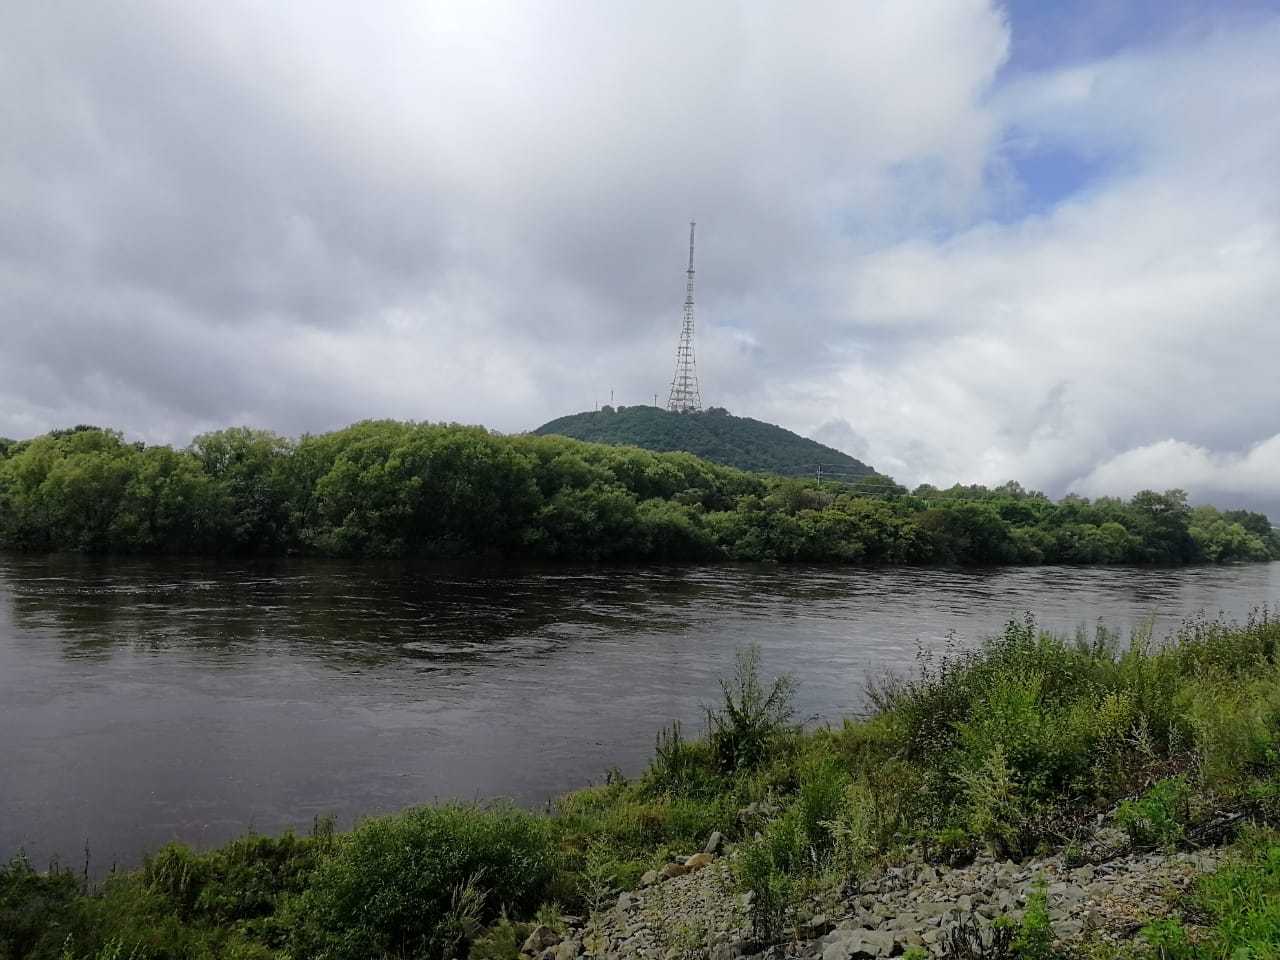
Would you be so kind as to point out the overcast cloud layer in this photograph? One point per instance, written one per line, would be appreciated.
(924, 236)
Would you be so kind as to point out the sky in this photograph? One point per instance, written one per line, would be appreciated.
(962, 240)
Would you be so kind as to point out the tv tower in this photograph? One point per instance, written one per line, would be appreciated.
(685, 395)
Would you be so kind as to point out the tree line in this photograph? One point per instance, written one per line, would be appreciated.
(393, 489)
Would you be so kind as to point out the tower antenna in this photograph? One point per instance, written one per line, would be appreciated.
(686, 397)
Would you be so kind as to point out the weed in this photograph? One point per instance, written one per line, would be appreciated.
(1159, 816)
(750, 718)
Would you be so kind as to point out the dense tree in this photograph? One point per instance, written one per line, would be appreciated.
(381, 488)
(715, 435)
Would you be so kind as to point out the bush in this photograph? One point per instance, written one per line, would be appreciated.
(502, 941)
(392, 886)
(751, 719)
(1243, 900)
(37, 910)
(1159, 816)
(1034, 940)
(758, 873)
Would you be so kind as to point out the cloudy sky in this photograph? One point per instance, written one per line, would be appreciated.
(962, 240)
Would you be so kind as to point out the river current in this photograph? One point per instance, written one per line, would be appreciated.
(149, 700)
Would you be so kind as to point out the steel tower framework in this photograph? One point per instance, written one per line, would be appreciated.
(686, 397)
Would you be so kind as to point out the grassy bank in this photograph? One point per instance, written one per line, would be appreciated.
(1016, 746)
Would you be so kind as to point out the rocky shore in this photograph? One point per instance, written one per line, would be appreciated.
(691, 910)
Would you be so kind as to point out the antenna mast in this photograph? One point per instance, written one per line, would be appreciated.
(686, 397)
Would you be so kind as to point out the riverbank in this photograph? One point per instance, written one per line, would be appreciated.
(1012, 758)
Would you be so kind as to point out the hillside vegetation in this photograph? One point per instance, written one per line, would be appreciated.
(388, 489)
(715, 435)
(1020, 747)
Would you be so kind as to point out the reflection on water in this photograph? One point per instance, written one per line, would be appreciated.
(148, 700)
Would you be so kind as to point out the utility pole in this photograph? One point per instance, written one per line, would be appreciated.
(686, 397)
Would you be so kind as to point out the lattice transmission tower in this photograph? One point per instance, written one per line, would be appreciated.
(686, 397)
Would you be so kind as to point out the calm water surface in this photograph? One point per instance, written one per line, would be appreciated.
(142, 701)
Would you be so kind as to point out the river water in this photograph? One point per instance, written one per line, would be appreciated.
(143, 701)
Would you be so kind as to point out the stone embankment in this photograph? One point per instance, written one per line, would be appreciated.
(690, 909)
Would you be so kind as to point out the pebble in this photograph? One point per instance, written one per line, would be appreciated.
(689, 910)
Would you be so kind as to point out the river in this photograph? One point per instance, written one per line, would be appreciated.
(149, 700)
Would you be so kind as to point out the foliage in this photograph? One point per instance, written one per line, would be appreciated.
(382, 488)
(715, 435)
(769, 887)
(401, 885)
(502, 941)
(37, 910)
(1157, 818)
(1239, 903)
(1035, 936)
(750, 718)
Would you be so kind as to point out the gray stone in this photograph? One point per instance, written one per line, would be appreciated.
(626, 902)
(1069, 929)
(541, 938)
(934, 908)
(816, 926)
(649, 878)
(568, 950)
(713, 843)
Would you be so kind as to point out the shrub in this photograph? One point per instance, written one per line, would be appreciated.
(502, 941)
(994, 807)
(37, 910)
(1158, 817)
(683, 766)
(750, 719)
(1235, 727)
(771, 888)
(1034, 940)
(394, 885)
(1243, 900)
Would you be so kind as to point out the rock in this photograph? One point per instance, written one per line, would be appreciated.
(568, 950)
(698, 861)
(713, 842)
(965, 903)
(673, 870)
(541, 938)
(626, 902)
(816, 926)
(650, 878)
(859, 945)
(1069, 929)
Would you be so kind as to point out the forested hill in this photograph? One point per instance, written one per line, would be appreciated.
(716, 435)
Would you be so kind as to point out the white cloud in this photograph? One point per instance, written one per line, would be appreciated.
(1248, 475)
(302, 216)
(1142, 308)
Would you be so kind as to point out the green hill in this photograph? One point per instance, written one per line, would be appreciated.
(715, 435)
